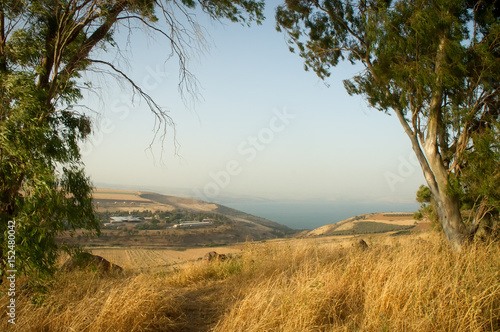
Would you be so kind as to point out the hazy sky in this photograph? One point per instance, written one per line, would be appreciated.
(263, 127)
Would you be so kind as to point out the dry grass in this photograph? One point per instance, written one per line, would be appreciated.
(89, 302)
(399, 284)
(409, 286)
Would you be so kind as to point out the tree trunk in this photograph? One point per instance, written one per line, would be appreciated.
(448, 209)
(437, 178)
(447, 203)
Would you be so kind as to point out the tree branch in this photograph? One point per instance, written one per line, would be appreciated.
(161, 115)
(428, 174)
(334, 17)
(88, 45)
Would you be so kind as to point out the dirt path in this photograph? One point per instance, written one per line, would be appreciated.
(202, 307)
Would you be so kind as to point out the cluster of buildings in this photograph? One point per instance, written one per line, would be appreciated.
(120, 221)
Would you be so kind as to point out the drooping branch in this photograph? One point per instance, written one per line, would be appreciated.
(178, 43)
(417, 148)
(163, 120)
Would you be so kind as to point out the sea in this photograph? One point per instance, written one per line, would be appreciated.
(314, 214)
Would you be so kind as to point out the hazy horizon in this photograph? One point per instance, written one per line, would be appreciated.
(296, 214)
(262, 127)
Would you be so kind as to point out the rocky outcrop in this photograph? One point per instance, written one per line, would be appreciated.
(213, 256)
(360, 244)
(87, 261)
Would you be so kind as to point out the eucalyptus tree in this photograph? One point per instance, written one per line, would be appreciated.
(435, 64)
(45, 47)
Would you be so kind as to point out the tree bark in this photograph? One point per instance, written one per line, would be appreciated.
(448, 209)
(447, 203)
(437, 178)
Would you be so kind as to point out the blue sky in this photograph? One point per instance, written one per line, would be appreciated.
(262, 126)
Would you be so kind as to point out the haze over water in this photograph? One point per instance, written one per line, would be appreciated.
(313, 214)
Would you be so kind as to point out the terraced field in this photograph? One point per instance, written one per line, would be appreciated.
(371, 223)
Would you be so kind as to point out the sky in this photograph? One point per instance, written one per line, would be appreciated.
(261, 127)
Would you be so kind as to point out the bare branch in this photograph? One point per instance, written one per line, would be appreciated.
(162, 119)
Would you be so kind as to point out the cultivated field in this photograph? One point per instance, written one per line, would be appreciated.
(118, 195)
(142, 259)
(112, 200)
(125, 200)
(370, 223)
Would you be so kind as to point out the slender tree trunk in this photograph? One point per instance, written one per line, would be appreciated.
(437, 178)
(448, 209)
(436, 171)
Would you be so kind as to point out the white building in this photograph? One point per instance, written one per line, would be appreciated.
(190, 224)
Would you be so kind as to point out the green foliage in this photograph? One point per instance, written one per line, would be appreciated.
(42, 184)
(45, 46)
(480, 174)
(424, 194)
(427, 208)
(149, 225)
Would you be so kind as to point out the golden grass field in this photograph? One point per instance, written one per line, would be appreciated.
(404, 283)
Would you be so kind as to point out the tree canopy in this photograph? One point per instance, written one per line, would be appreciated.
(435, 64)
(45, 46)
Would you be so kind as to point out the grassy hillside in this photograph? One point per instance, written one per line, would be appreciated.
(397, 284)
(370, 227)
(371, 223)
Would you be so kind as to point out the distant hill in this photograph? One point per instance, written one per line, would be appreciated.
(232, 226)
(369, 224)
(239, 215)
(201, 206)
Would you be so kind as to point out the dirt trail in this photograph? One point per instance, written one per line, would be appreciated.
(202, 308)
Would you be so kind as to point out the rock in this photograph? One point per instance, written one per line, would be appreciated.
(213, 256)
(360, 244)
(85, 260)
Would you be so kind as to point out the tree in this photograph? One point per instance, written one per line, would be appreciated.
(427, 207)
(435, 64)
(45, 46)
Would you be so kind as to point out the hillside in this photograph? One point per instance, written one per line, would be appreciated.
(201, 206)
(369, 224)
(229, 225)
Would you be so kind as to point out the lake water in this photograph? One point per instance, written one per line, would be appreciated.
(313, 214)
